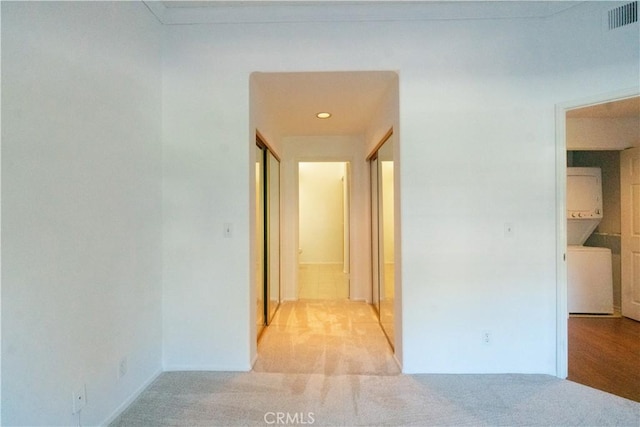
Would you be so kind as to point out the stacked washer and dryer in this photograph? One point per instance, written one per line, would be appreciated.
(589, 272)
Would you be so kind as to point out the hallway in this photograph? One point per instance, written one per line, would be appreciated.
(338, 337)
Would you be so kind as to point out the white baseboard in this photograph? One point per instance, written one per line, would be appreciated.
(120, 409)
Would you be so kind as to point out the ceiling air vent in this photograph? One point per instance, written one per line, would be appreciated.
(623, 15)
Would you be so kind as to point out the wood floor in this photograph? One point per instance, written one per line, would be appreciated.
(604, 353)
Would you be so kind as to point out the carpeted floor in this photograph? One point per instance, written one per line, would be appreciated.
(331, 337)
(254, 399)
(327, 363)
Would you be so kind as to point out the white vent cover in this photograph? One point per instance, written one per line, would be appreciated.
(622, 15)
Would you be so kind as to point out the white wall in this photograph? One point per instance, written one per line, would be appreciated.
(208, 308)
(459, 183)
(262, 118)
(321, 213)
(477, 151)
(81, 208)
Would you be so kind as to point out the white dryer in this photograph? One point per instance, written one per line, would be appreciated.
(589, 273)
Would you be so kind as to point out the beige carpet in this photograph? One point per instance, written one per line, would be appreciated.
(330, 337)
(258, 399)
(327, 363)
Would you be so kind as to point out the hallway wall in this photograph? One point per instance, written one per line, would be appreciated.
(459, 184)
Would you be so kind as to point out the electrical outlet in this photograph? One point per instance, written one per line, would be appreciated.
(79, 399)
(486, 337)
(122, 367)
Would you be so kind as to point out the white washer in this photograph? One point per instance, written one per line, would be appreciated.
(589, 280)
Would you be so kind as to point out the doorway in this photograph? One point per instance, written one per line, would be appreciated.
(323, 230)
(357, 109)
(599, 133)
(602, 136)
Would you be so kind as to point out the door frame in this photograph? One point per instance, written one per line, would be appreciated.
(562, 311)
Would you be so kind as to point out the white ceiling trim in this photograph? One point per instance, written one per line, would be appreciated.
(224, 12)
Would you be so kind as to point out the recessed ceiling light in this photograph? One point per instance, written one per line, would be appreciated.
(323, 115)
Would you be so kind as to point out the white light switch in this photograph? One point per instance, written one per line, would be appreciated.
(228, 230)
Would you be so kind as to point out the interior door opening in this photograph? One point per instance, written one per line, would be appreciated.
(323, 224)
(601, 140)
(363, 105)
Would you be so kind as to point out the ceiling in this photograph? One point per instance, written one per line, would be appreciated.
(626, 108)
(294, 99)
